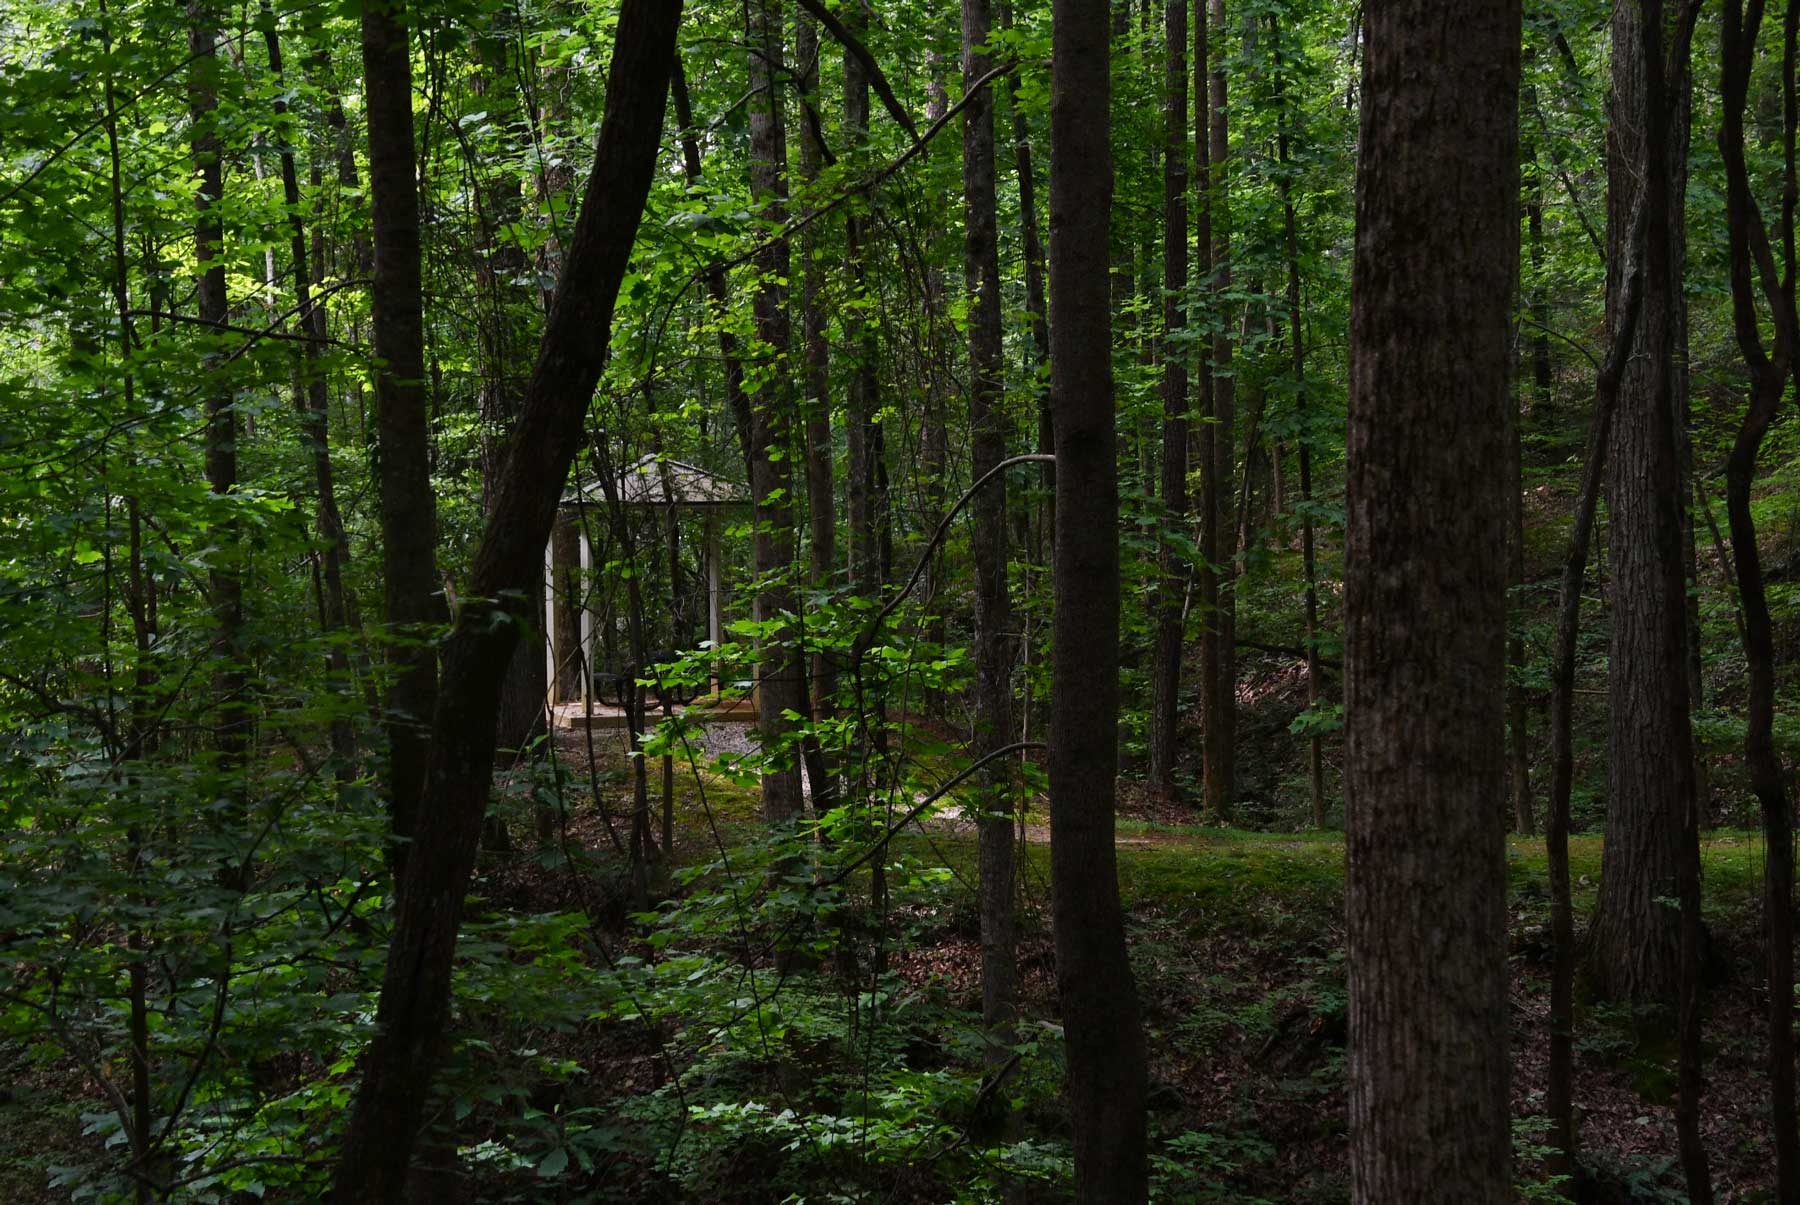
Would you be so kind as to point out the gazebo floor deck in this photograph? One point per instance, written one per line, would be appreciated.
(708, 710)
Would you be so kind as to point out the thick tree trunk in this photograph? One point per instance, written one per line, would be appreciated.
(402, 432)
(1218, 650)
(1635, 944)
(415, 992)
(993, 603)
(1165, 688)
(780, 672)
(1425, 603)
(1105, 1040)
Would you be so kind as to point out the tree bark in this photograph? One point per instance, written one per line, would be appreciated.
(1165, 689)
(1770, 368)
(1031, 249)
(1315, 752)
(993, 602)
(402, 432)
(231, 727)
(1104, 1036)
(1425, 602)
(415, 992)
(862, 432)
(821, 496)
(1218, 649)
(1635, 944)
(781, 668)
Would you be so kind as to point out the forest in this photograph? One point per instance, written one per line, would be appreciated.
(899, 601)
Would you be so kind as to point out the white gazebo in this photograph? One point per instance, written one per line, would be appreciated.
(652, 483)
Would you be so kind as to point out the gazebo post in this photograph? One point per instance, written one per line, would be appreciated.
(715, 626)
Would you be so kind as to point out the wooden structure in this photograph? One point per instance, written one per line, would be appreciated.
(570, 575)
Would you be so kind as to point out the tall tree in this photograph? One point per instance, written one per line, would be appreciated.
(1425, 602)
(1290, 234)
(1104, 1034)
(993, 602)
(861, 335)
(821, 495)
(402, 430)
(225, 581)
(1752, 263)
(1635, 943)
(781, 670)
(1218, 592)
(415, 990)
(1165, 690)
(1031, 248)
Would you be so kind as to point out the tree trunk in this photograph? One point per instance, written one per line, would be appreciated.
(415, 992)
(1165, 689)
(1635, 945)
(1425, 603)
(861, 337)
(780, 671)
(408, 509)
(1104, 1037)
(1218, 650)
(1031, 249)
(1315, 753)
(1769, 372)
(821, 497)
(993, 604)
(231, 727)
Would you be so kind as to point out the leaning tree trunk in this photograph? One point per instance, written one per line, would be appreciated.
(415, 992)
(1103, 1034)
(1425, 603)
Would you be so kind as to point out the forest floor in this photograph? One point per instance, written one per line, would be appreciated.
(1237, 944)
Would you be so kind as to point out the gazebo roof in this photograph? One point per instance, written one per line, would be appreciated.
(643, 485)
